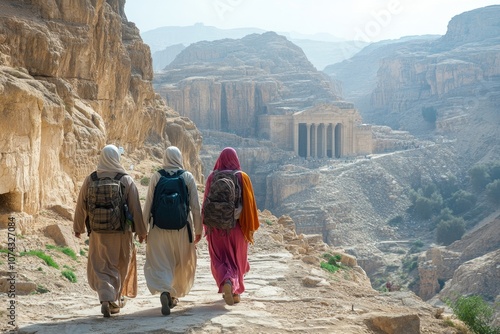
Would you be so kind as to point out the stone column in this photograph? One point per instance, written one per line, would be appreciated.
(323, 142)
(296, 138)
(314, 140)
(333, 140)
(308, 140)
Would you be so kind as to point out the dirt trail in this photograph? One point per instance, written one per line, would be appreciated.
(283, 295)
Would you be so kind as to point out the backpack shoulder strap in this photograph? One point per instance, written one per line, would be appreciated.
(118, 176)
(93, 176)
(163, 172)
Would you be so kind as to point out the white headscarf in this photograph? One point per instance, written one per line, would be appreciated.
(172, 159)
(109, 160)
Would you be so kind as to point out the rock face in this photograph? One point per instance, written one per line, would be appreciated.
(75, 76)
(452, 73)
(473, 26)
(457, 74)
(226, 84)
(468, 266)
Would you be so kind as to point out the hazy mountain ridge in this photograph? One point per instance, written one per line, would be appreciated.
(321, 49)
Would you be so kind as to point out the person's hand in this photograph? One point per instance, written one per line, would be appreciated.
(143, 238)
(197, 238)
(77, 234)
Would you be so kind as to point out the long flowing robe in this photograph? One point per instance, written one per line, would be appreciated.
(111, 271)
(170, 257)
(229, 249)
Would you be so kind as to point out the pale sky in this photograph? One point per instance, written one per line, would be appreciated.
(368, 20)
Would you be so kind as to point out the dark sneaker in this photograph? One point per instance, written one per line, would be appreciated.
(165, 301)
(105, 309)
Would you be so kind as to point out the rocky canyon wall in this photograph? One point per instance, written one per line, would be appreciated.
(225, 85)
(462, 62)
(74, 76)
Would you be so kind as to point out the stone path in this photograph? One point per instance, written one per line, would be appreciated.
(285, 293)
(203, 310)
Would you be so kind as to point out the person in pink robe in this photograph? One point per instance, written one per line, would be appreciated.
(229, 251)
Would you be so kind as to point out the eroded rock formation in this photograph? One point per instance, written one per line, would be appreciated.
(226, 84)
(73, 77)
(464, 57)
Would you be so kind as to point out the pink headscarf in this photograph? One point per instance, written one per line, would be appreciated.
(228, 160)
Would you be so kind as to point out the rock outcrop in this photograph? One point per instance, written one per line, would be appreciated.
(75, 76)
(453, 74)
(225, 85)
(468, 266)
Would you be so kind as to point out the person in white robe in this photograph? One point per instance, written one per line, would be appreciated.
(171, 254)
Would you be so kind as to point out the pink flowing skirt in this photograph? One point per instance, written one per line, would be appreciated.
(228, 257)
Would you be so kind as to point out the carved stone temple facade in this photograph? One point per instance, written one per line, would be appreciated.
(321, 132)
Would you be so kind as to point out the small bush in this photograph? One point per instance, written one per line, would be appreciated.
(493, 191)
(476, 314)
(479, 177)
(494, 171)
(48, 259)
(461, 201)
(329, 267)
(396, 221)
(429, 114)
(65, 250)
(145, 181)
(448, 185)
(70, 275)
(449, 231)
(423, 208)
(333, 262)
(416, 246)
(41, 289)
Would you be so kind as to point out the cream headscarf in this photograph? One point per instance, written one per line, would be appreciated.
(172, 159)
(109, 160)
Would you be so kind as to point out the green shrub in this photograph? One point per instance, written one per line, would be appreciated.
(423, 208)
(47, 258)
(476, 314)
(332, 264)
(416, 247)
(461, 201)
(70, 275)
(448, 185)
(494, 171)
(449, 231)
(493, 191)
(479, 177)
(429, 189)
(65, 250)
(429, 114)
(145, 181)
(396, 221)
(41, 289)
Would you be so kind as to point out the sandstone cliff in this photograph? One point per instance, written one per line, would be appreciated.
(457, 75)
(75, 76)
(468, 266)
(226, 84)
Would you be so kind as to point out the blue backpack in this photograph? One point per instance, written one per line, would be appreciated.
(170, 209)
